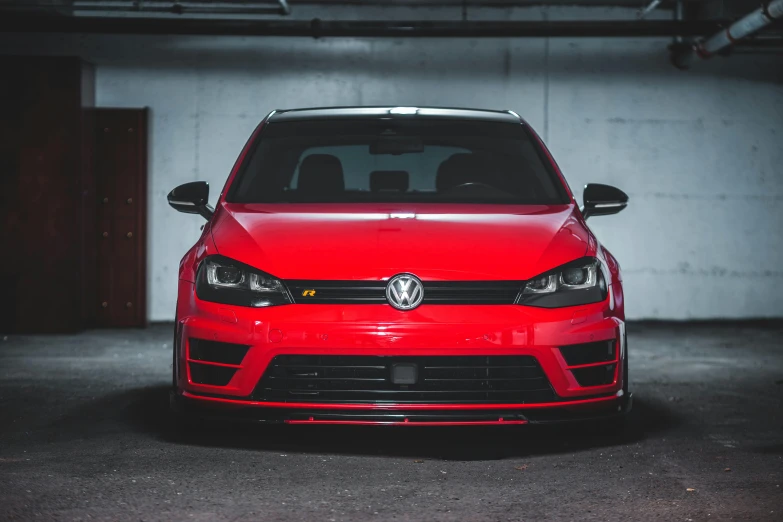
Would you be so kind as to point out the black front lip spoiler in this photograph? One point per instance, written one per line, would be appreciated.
(194, 408)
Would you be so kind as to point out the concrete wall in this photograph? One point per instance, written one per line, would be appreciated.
(699, 152)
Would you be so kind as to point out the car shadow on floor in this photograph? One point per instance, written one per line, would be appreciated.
(146, 411)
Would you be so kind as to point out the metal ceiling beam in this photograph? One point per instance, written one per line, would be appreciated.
(182, 8)
(316, 28)
(482, 3)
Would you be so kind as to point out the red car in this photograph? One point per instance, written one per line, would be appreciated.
(399, 265)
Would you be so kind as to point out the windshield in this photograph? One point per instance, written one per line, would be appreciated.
(396, 161)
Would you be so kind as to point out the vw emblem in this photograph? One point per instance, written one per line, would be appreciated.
(404, 291)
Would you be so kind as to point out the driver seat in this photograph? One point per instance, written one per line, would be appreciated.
(461, 168)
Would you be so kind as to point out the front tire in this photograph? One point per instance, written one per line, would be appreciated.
(616, 425)
(182, 422)
(175, 350)
(626, 387)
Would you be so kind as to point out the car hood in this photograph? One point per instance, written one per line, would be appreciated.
(374, 242)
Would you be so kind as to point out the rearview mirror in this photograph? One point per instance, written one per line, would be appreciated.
(191, 198)
(396, 145)
(602, 200)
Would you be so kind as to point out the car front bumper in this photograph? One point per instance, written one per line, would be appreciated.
(379, 330)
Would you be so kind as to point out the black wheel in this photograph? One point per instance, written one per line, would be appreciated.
(615, 425)
(182, 423)
(626, 388)
(174, 357)
(175, 354)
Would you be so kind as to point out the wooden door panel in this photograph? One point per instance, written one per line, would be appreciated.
(42, 184)
(121, 185)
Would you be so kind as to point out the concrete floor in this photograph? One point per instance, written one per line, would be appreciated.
(85, 434)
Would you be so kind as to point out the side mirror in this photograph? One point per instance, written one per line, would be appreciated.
(602, 200)
(191, 198)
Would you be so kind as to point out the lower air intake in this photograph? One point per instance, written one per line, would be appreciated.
(595, 375)
(588, 353)
(212, 362)
(427, 379)
(211, 375)
(216, 352)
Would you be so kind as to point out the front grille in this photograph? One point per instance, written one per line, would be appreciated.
(435, 292)
(440, 379)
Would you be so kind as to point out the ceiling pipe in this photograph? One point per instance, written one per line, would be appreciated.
(316, 28)
(181, 8)
(683, 56)
(652, 6)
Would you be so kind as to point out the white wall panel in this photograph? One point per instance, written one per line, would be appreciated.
(699, 152)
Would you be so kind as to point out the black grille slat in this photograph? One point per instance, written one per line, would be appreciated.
(441, 379)
(436, 366)
(488, 379)
(471, 292)
(320, 366)
(435, 292)
(366, 396)
(272, 377)
(410, 392)
(338, 292)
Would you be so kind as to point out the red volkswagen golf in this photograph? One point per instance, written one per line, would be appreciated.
(399, 265)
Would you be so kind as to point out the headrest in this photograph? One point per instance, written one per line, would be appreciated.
(321, 173)
(388, 180)
(458, 169)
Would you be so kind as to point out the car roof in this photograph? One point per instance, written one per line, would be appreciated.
(333, 113)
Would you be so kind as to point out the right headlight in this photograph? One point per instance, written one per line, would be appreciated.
(226, 281)
(576, 283)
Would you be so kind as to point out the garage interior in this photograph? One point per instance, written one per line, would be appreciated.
(107, 105)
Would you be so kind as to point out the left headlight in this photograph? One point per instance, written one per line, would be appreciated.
(223, 280)
(576, 283)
